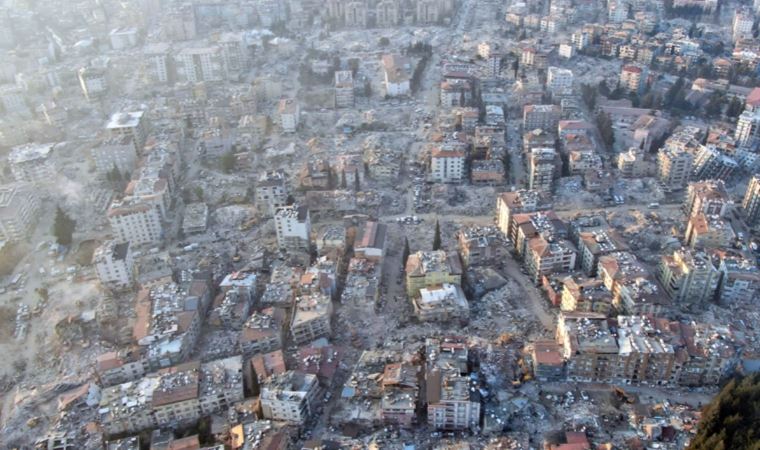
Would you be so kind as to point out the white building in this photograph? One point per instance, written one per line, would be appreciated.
(159, 62)
(293, 226)
(271, 192)
(19, 209)
(114, 265)
(123, 38)
(32, 163)
(132, 124)
(559, 79)
(202, 64)
(135, 221)
(441, 303)
(289, 113)
(747, 131)
(397, 75)
(566, 51)
(290, 397)
(742, 25)
(118, 152)
(93, 81)
(447, 165)
(344, 89)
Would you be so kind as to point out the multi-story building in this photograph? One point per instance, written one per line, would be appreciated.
(740, 279)
(631, 164)
(518, 202)
(447, 164)
(311, 318)
(235, 53)
(545, 257)
(674, 167)
(290, 397)
(261, 333)
(271, 192)
(751, 201)
(114, 265)
(741, 27)
(559, 79)
(644, 350)
(441, 303)
(747, 133)
(93, 81)
(708, 197)
(202, 64)
(293, 226)
(168, 321)
(116, 152)
(131, 124)
(711, 164)
(428, 269)
(344, 89)
(397, 72)
(289, 115)
(634, 289)
(19, 210)
(135, 221)
(585, 295)
(453, 402)
(14, 102)
(174, 396)
(32, 163)
(542, 168)
(633, 78)
(123, 38)
(159, 63)
(371, 241)
(689, 278)
(544, 117)
(592, 245)
(703, 231)
(477, 245)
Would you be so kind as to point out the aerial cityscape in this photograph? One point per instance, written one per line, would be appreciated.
(380, 224)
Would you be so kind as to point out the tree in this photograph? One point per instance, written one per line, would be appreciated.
(228, 161)
(384, 42)
(589, 95)
(730, 420)
(735, 108)
(63, 227)
(405, 253)
(357, 183)
(437, 236)
(515, 66)
(367, 89)
(714, 105)
(342, 179)
(604, 123)
(199, 193)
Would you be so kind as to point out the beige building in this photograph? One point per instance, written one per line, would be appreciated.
(674, 167)
(427, 269)
(690, 278)
(704, 231)
(311, 318)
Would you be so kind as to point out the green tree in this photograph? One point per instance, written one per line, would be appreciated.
(367, 89)
(227, 163)
(604, 123)
(735, 108)
(405, 253)
(714, 105)
(199, 193)
(437, 236)
(357, 183)
(730, 420)
(589, 93)
(63, 227)
(383, 42)
(342, 179)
